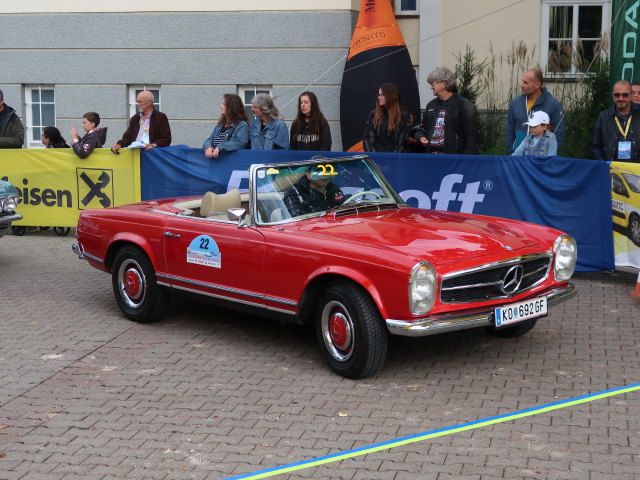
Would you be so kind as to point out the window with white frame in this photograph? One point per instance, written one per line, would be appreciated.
(134, 90)
(40, 112)
(247, 93)
(406, 7)
(572, 33)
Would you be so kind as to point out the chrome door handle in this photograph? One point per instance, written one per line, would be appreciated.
(169, 234)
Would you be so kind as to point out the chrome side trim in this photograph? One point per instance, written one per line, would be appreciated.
(222, 297)
(222, 288)
(79, 251)
(450, 322)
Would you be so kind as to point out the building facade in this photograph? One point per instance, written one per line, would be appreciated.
(61, 59)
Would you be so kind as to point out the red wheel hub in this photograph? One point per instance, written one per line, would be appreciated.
(133, 283)
(340, 331)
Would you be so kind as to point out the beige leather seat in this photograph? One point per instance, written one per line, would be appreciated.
(216, 206)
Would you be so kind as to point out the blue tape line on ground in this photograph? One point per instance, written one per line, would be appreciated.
(403, 440)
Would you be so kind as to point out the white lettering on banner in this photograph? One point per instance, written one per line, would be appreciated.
(423, 199)
(236, 179)
(630, 41)
(445, 194)
(470, 197)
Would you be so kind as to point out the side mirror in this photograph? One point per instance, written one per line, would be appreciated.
(238, 214)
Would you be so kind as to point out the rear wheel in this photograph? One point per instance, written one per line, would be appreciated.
(61, 231)
(135, 288)
(514, 330)
(351, 333)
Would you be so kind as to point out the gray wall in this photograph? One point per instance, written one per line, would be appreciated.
(195, 58)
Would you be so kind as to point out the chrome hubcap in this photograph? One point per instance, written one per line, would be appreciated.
(132, 283)
(337, 330)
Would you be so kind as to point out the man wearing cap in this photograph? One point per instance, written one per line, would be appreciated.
(11, 129)
(539, 141)
(617, 133)
(534, 98)
(314, 192)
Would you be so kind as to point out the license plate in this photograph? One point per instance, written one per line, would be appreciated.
(519, 312)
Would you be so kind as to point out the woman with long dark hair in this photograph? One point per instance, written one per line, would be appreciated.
(310, 130)
(388, 124)
(232, 130)
(52, 138)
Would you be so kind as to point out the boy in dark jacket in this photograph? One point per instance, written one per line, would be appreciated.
(94, 138)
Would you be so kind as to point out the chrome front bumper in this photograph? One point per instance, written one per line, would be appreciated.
(482, 317)
(7, 220)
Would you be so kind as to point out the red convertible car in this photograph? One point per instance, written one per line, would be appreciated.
(329, 242)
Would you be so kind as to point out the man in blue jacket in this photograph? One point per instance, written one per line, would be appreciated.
(534, 98)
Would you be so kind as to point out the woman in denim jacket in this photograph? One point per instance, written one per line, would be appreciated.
(267, 131)
(232, 131)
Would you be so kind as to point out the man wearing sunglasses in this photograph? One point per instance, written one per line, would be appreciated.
(617, 134)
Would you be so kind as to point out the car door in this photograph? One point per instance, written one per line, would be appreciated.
(215, 258)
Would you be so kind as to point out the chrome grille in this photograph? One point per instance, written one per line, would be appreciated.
(487, 282)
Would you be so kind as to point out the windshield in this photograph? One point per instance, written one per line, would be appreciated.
(298, 190)
(633, 181)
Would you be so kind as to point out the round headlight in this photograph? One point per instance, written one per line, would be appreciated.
(10, 203)
(565, 251)
(423, 283)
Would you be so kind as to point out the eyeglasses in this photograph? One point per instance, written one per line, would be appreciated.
(623, 95)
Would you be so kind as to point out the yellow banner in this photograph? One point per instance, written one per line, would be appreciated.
(55, 185)
(625, 209)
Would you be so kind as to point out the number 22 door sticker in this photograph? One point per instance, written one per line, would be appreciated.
(203, 250)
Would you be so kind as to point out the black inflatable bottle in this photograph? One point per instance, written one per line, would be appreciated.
(377, 54)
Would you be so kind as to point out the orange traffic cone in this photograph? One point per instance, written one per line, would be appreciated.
(635, 295)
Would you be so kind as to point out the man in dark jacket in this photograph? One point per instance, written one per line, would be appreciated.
(147, 129)
(11, 129)
(314, 192)
(617, 133)
(449, 120)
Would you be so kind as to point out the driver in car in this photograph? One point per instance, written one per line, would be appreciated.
(314, 192)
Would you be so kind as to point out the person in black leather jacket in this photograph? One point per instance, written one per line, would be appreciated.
(314, 192)
(449, 121)
(388, 125)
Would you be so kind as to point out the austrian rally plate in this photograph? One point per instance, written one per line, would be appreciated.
(518, 312)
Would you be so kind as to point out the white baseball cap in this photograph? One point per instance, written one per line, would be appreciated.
(538, 118)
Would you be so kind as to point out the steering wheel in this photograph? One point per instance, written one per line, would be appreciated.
(361, 194)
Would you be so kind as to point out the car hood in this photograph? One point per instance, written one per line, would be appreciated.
(435, 236)
(7, 189)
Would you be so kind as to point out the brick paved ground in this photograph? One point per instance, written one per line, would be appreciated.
(207, 394)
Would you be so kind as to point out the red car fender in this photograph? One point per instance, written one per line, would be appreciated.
(119, 239)
(354, 275)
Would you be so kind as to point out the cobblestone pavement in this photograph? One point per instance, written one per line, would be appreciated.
(208, 394)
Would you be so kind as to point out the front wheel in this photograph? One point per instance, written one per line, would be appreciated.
(351, 333)
(135, 288)
(61, 231)
(634, 229)
(516, 330)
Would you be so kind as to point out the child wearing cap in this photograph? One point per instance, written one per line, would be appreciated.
(539, 141)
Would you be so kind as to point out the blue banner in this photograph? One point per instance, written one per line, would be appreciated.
(565, 193)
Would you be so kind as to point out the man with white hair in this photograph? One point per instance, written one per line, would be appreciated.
(11, 129)
(149, 128)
